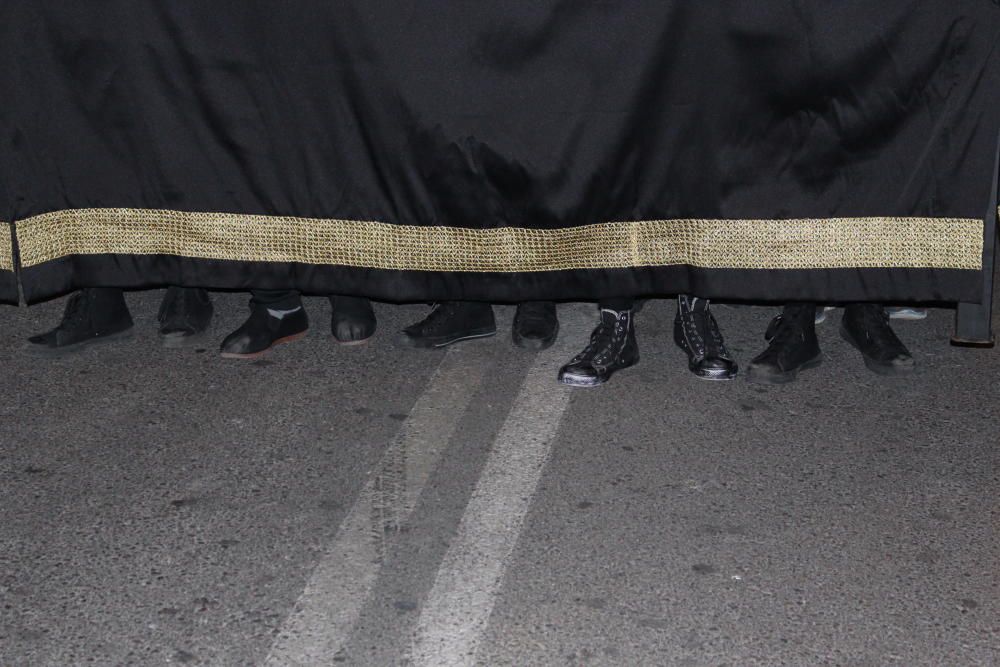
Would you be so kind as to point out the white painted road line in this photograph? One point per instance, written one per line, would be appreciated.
(459, 605)
(328, 609)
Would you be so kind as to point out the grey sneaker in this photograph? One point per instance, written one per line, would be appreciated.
(906, 313)
(821, 312)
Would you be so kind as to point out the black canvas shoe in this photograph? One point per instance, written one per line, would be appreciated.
(451, 322)
(262, 331)
(536, 325)
(612, 347)
(352, 320)
(792, 347)
(184, 316)
(866, 327)
(92, 315)
(697, 333)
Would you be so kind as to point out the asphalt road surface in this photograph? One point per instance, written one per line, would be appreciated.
(378, 505)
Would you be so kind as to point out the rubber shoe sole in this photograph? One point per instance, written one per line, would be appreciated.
(885, 369)
(584, 381)
(177, 340)
(444, 341)
(571, 380)
(353, 343)
(43, 352)
(759, 377)
(254, 355)
(716, 374)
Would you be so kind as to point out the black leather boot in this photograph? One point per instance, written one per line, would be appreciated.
(451, 322)
(792, 346)
(184, 316)
(92, 315)
(612, 347)
(536, 325)
(866, 327)
(352, 320)
(263, 330)
(697, 333)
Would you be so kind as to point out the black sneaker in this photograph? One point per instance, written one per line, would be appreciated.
(697, 333)
(536, 325)
(262, 331)
(352, 320)
(450, 322)
(866, 327)
(92, 315)
(612, 347)
(185, 313)
(792, 347)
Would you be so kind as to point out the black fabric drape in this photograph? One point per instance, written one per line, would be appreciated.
(543, 116)
(8, 282)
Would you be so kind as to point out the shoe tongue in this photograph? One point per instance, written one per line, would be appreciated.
(608, 315)
(697, 304)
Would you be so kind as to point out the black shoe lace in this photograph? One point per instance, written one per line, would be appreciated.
(878, 327)
(437, 318)
(701, 330)
(877, 316)
(600, 350)
(782, 330)
(690, 328)
(717, 337)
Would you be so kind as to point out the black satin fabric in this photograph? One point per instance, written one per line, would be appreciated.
(537, 114)
(8, 283)
(8, 287)
(847, 285)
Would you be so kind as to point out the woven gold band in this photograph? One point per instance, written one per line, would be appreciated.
(6, 248)
(873, 242)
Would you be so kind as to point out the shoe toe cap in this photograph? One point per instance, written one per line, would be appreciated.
(716, 369)
(902, 363)
(580, 375)
(43, 340)
(352, 332)
(238, 343)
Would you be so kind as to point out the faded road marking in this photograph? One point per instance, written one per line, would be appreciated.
(459, 605)
(328, 609)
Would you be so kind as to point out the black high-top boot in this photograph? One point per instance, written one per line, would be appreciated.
(536, 325)
(352, 320)
(866, 327)
(184, 316)
(612, 347)
(792, 346)
(451, 322)
(92, 315)
(697, 333)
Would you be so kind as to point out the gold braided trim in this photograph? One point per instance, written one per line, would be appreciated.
(6, 247)
(877, 242)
